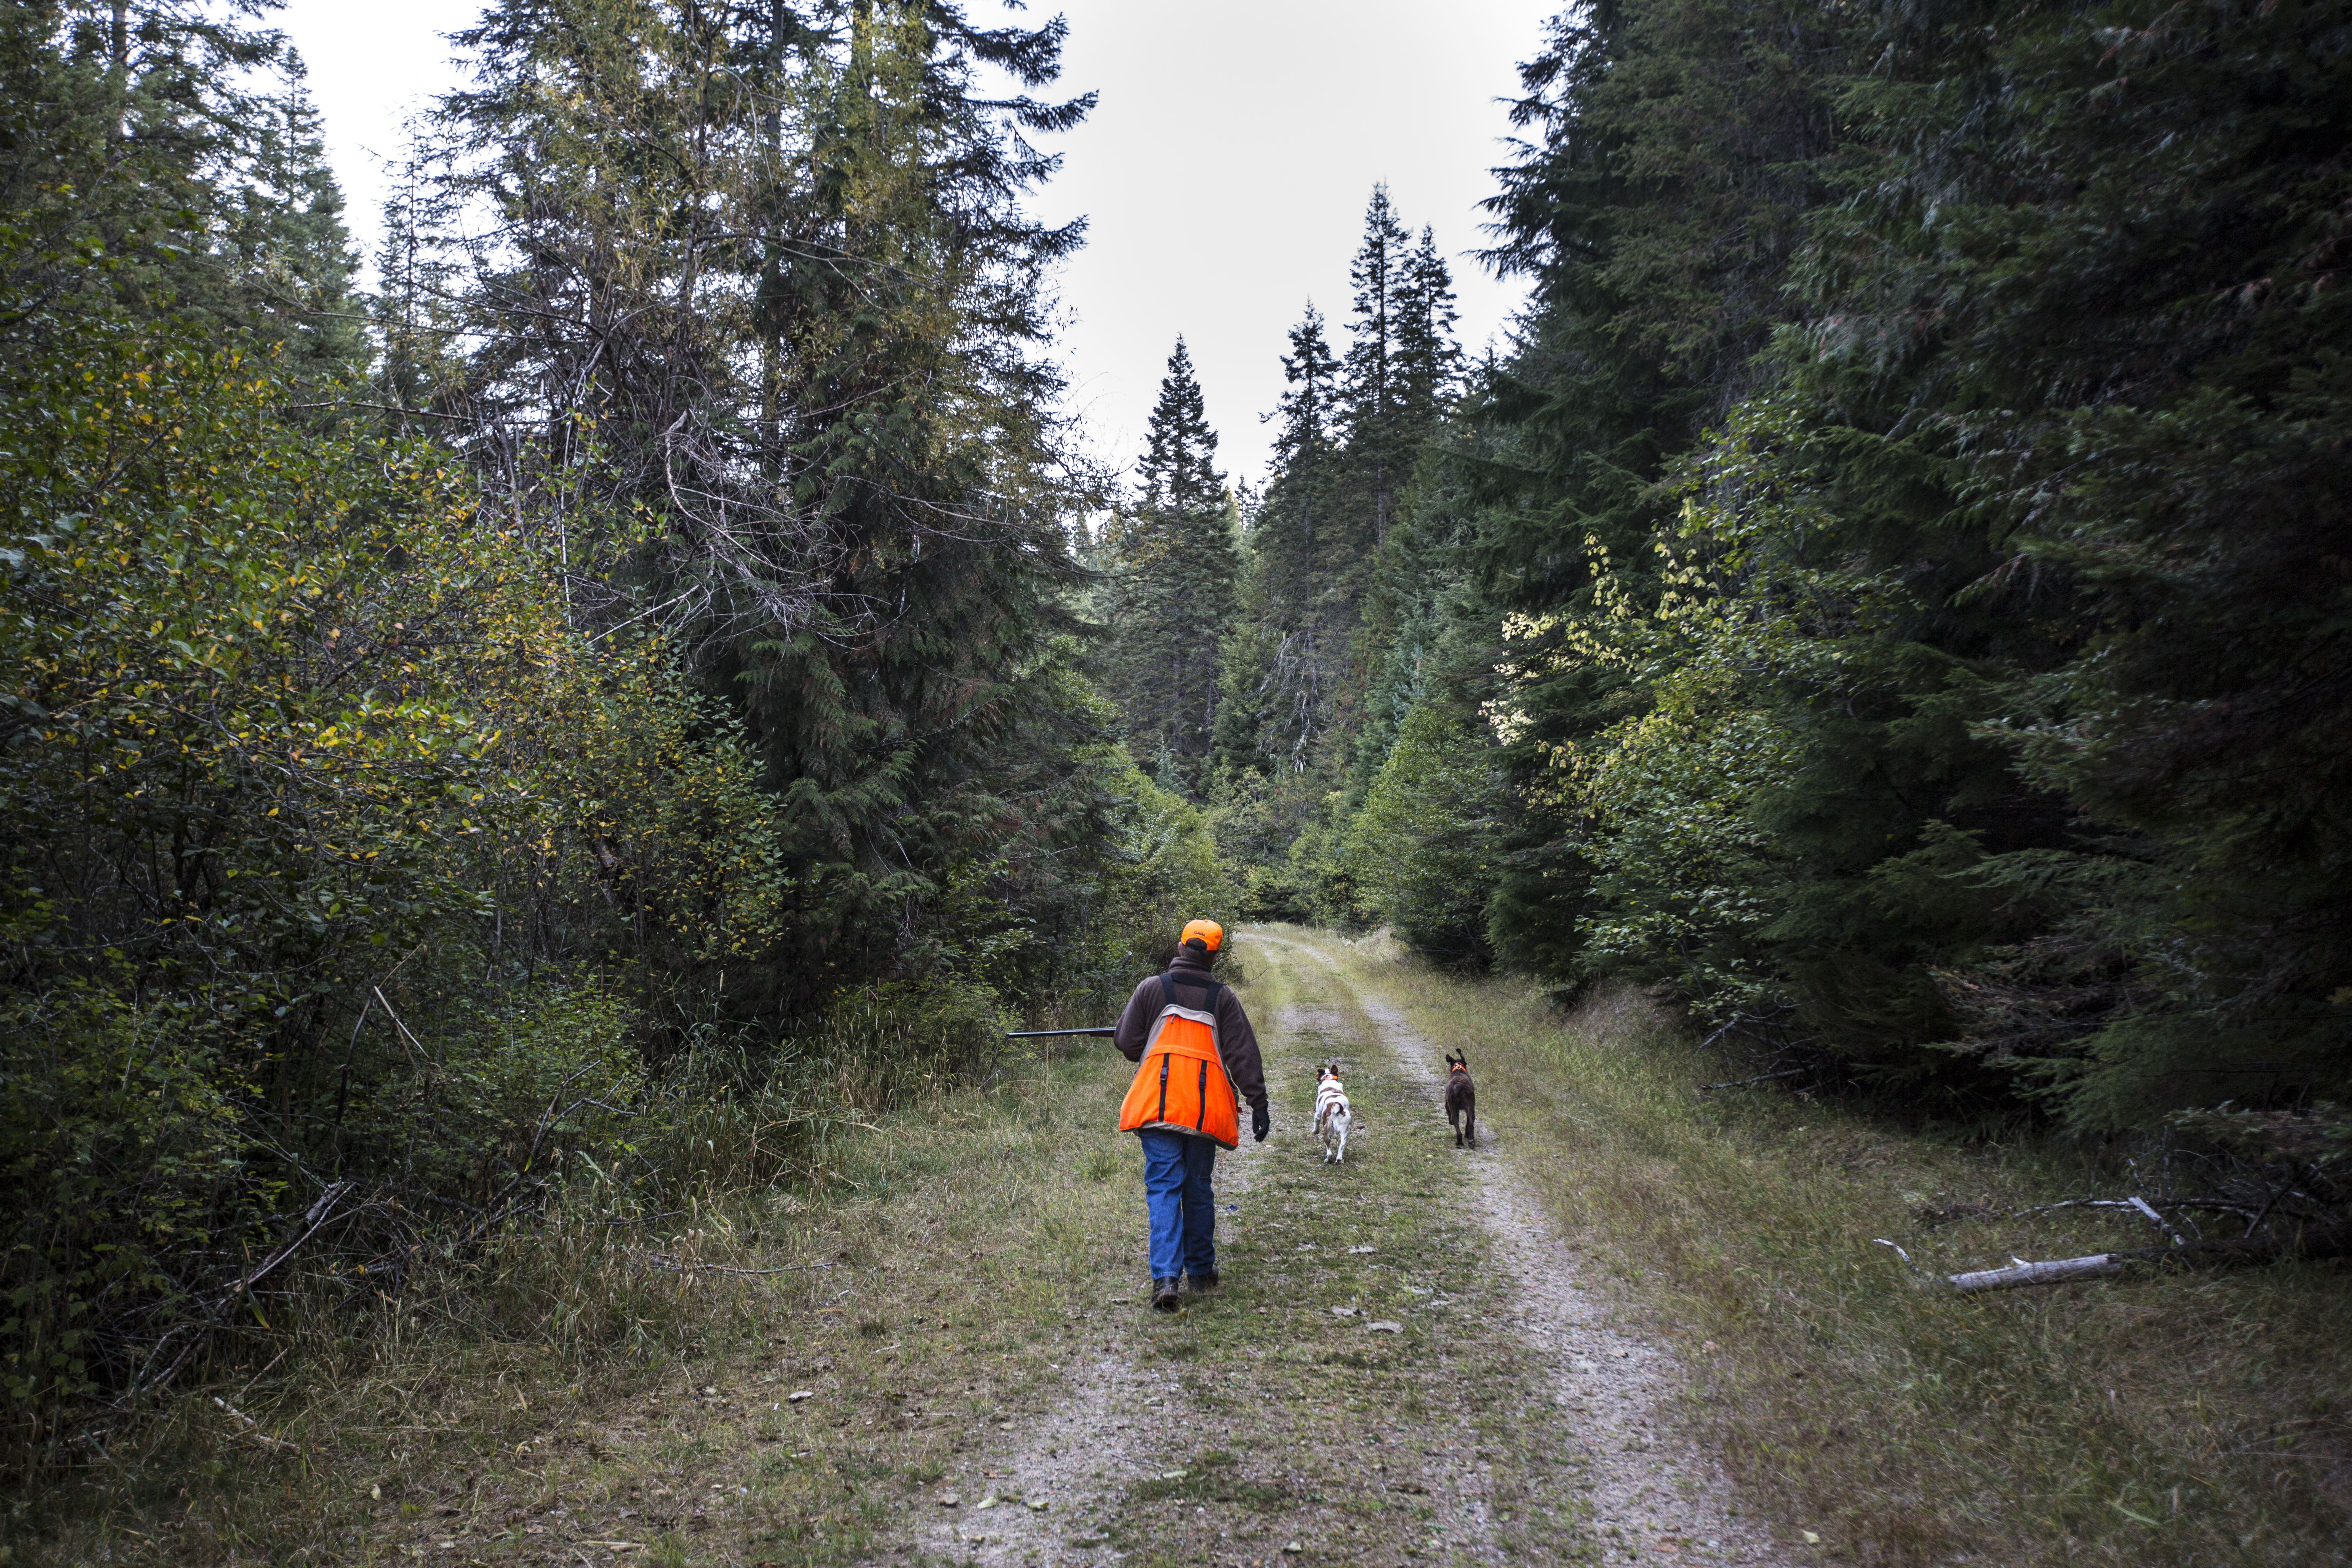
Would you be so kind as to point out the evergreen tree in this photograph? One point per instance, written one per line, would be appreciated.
(1300, 667)
(1428, 358)
(1277, 656)
(163, 159)
(1350, 430)
(1416, 567)
(1178, 475)
(1173, 564)
(1378, 438)
(754, 348)
(420, 374)
(1395, 386)
(288, 254)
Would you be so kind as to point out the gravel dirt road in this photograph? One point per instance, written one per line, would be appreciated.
(1402, 1364)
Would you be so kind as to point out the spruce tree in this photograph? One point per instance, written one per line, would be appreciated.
(159, 158)
(1178, 474)
(755, 345)
(420, 376)
(2111, 466)
(1378, 440)
(1428, 358)
(287, 255)
(1173, 564)
(1351, 430)
(1416, 569)
(1276, 663)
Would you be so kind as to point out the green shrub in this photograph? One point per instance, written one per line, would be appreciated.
(1422, 847)
(331, 852)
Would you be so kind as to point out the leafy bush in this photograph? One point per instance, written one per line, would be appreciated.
(1421, 846)
(1162, 868)
(335, 861)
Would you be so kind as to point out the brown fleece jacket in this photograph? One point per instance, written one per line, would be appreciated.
(1236, 1041)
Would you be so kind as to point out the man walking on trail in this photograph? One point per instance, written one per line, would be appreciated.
(1199, 1060)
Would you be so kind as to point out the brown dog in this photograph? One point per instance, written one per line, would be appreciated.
(1461, 1100)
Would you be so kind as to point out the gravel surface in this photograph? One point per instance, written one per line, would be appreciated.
(1645, 1481)
(1502, 1414)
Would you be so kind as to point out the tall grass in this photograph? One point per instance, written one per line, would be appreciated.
(566, 1362)
(612, 1256)
(2190, 1418)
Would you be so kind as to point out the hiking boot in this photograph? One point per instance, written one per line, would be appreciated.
(1163, 1295)
(1205, 1279)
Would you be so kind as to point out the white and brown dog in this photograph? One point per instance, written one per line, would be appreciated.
(1333, 1115)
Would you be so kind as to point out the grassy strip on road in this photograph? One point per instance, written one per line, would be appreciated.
(2197, 1419)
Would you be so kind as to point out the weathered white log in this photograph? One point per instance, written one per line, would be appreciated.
(2048, 1273)
(2315, 1238)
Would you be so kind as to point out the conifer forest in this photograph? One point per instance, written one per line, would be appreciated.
(647, 671)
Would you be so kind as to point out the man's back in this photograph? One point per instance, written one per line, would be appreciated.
(1236, 1040)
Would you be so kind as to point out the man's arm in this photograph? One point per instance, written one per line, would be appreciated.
(1238, 1045)
(1134, 1024)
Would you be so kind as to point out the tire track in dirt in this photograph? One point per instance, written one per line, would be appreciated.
(1650, 1487)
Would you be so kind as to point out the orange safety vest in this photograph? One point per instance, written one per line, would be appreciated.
(1181, 1085)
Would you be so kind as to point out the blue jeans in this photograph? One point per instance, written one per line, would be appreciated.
(1183, 1210)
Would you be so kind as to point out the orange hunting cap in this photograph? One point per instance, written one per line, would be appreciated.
(1208, 934)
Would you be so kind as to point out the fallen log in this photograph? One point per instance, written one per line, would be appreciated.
(2314, 1241)
(2021, 1272)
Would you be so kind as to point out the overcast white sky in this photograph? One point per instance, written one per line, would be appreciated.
(1224, 173)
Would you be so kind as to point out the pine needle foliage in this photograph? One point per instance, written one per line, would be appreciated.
(752, 335)
(1173, 561)
(1899, 546)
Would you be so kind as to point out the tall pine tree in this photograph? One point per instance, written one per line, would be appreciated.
(1428, 358)
(1277, 660)
(1378, 442)
(287, 255)
(162, 158)
(1352, 429)
(755, 346)
(1173, 565)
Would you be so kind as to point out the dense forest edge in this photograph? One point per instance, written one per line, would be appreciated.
(659, 676)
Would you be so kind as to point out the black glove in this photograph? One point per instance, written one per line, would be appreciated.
(1261, 1121)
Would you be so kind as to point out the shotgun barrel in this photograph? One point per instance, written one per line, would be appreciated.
(1032, 1033)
